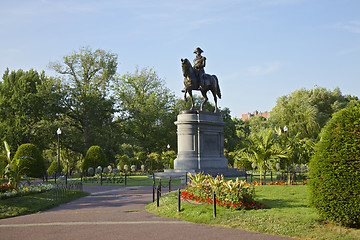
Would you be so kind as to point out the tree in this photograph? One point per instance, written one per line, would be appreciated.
(263, 149)
(335, 168)
(307, 111)
(29, 105)
(230, 138)
(297, 150)
(89, 107)
(146, 108)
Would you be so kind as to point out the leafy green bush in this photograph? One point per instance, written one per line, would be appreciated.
(53, 168)
(94, 157)
(30, 159)
(335, 168)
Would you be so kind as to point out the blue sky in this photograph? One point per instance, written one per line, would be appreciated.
(259, 49)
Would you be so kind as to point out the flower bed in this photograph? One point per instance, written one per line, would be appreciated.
(22, 190)
(230, 194)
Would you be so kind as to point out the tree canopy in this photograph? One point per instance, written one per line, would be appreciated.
(89, 108)
(307, 111)
(146, 110)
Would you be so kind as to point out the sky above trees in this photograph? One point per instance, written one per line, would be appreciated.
(260, 50)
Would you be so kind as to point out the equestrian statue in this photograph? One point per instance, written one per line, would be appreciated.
(195, 78)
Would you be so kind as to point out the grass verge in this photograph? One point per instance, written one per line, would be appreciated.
(36, 202)
(287, 214)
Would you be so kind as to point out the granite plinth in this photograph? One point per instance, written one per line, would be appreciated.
(200, 142)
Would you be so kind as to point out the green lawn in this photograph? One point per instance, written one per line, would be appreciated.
(287, 214)
(36, 202)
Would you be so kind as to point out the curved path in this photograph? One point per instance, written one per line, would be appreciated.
(113, 213)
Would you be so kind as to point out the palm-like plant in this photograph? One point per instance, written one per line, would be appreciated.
(13, 171)
(263, 149)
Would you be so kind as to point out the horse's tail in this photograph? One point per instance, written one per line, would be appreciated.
(218, 92)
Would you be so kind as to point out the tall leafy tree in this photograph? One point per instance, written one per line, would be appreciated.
(29, 104)
(307, 111)
(89, 106)
(146, 110)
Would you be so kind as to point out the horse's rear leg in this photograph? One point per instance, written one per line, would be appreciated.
(215, 99)
(192, 100)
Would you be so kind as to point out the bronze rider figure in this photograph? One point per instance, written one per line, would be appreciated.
(199, 64)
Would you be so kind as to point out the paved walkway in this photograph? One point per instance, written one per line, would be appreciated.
(113, 213)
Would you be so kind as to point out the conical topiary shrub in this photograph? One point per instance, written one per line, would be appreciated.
(335, 169)
(94, 157)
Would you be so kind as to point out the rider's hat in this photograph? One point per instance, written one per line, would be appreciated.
(198, 50)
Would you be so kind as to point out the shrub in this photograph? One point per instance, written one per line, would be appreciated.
(106, 170)
(335, 169)
(53, 168)
(30, 159)
(230, 194)
(90, 171)
(94, 157)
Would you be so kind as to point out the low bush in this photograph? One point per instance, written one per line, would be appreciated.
(231, 194)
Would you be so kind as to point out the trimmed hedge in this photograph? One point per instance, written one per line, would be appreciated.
(335, 169)
(33, 166)
(94, 157)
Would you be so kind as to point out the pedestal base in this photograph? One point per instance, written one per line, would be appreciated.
(201, 144)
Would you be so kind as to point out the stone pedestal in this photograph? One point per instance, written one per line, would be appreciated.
(200, 146)
(200, 142)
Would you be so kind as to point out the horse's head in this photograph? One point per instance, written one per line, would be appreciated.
(186, 66)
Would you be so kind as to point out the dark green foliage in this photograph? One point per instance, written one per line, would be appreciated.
(3, 163)
(94, 157)
(29, 105)
(31, 160)
(335, 168)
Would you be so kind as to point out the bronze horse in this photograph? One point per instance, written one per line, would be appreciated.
(192, 82)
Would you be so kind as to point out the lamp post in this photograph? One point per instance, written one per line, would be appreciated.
(285, 129)
(58, 133)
